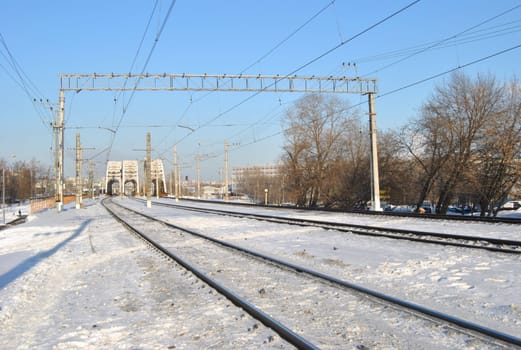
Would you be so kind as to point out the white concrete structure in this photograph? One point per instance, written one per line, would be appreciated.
(122, 177)
(130, 177)
(113, 182)
(157, 173)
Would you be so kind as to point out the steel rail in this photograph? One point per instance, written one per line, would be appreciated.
(440, 316)
(287, 334)
(375, 231)
(426, 216)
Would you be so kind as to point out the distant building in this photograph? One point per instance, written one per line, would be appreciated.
(260, 183)
(243, 177)
(269, 170)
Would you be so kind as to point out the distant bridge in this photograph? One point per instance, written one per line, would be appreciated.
(122, 177)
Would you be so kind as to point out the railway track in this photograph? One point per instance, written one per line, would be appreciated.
(301, 297)
(457, 240)
(369, 213)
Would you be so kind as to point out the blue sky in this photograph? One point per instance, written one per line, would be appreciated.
(53, 37)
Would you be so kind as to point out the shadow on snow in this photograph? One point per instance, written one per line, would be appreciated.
(32, 261)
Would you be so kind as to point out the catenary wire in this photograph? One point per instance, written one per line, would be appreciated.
(433, 76)
(469, 31)
(302, 67)
(422, 80)
(24, 81)
(399, 89)
(444, 40)
(450, 71)
(404, 87)
(486, 33)
(145, 65)
(134, 60)
(257, 61)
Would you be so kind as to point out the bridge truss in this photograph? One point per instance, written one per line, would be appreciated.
(218, 82)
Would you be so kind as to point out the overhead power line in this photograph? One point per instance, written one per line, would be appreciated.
(145, 65)
(420, 49)
(450, 70)
(293, 33)
(473, 36)
(342, 43)
(432, 45)
(336, 47)
(144, 35)
(264, 56)
(24, 82)
(147, 27)
(147, 61)
(437, 43)
(405, 87)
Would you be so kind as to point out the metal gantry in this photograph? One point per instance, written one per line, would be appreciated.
(218, 82)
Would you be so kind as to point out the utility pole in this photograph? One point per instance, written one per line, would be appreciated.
(91, 179)
(198, 158)
(3, 193)
(157, 182)
(79, 172)
(375, 188)
(171, 190)
(176, 180)
(225, 171)
(60, 144)
(179, 181)
(148, 172)
(198, 161)
(79, 185)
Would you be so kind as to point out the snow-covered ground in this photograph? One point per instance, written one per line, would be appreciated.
(12, 212)
(476, 285)
(77, 279)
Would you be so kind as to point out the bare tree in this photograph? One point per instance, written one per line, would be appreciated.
(398, 172)
(315, 133)
(23, 179)
(470, 107)
(352, 172)
(294, 165)
(497, 167)
(445, 140)
(425, 139)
